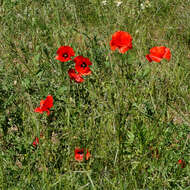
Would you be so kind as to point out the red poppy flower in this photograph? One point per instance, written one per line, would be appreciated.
(74, 76)
(82, 64)
(158, 53)
(79, 154)
(45, 105)
(35, 142)
(121, 40)
(64, 53)
(87, 154)
(182, 163)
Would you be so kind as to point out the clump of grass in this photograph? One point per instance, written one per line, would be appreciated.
(132, 115)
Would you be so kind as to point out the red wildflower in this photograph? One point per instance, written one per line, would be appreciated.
(79, 154)
(76, 77)
(182, 163)
(121, 40)
(45, 105)
(35, 142)
(158, 53)
(64, 53)
(87, 154)
(82, 64)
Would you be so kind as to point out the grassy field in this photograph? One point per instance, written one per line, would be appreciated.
(132, 115)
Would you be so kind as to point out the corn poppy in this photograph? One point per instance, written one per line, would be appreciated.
(121, 40)
(45, 105)
(87, 154)
(81, 65)
(182, 163)
(75, 76)
(35, 142)
(79, 154)
(158, 53)
(64, 53)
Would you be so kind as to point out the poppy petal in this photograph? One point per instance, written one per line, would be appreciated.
(45, 105)
(158, 51)
(123, 49)
(42, 103)
(167, 54)
(179, 161)
(74, 76)
(87, 72)
(35, 142)
(87, 155)
(38, 110)
(148, 58)
(155, 58)
(79, 79)
(48, 103)
(83, 71)
(113, 47)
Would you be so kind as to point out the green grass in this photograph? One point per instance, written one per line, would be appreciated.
(132, 115)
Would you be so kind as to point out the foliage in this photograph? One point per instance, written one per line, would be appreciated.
(132, 115)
